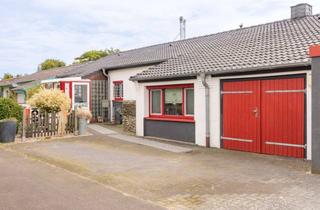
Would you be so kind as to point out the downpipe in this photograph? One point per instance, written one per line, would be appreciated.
(108, 93)
(207, 128)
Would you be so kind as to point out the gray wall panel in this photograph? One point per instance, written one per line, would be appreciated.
(315, 115)
(180, 131)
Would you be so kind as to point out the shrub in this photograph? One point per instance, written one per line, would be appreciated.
(32, 91)
(53, 100)
(50, 100)
(10, 109)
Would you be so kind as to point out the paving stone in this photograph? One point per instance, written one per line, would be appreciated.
(136, 140)
(101, 130)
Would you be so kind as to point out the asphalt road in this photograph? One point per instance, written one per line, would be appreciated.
(29, 184)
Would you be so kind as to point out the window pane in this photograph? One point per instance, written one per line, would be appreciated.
(156, 101)
(121, 90)
(173, 101)
(118, 90)
(81, 95)
(190, 101)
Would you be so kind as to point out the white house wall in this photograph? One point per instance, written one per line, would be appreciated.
(5, 92)
(129, 89)
(142, 102)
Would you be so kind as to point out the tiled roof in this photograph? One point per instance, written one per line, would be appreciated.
(283, 43)
(41, 75)
(5, 82)
(278, 44)
(27, 85)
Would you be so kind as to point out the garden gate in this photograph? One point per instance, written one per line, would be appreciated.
(41, 124)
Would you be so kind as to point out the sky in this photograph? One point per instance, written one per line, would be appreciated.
(34, 30)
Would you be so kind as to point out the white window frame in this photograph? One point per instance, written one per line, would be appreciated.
(88, 93)
(67, 89)
(161, 98)
(185, 101)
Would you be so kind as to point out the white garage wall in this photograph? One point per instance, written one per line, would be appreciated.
(199, 112)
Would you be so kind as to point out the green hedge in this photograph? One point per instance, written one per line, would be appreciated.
(10, 109)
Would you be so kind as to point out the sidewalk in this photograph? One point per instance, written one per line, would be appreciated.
(137, 140)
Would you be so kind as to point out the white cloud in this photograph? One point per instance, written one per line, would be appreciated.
(34, 30)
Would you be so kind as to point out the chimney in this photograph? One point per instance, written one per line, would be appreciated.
(39, 67)
(182, 28)
(301, 10)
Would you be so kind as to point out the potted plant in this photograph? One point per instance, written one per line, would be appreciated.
(10, 114)
(84, 116)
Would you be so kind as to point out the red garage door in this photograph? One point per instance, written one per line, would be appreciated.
(264, 116)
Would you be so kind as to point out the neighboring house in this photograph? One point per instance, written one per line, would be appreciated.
(87, 86)
(4, 88)
(77, 88)
(19, 86)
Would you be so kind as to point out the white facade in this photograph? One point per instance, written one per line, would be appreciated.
(142, 101)
(6, 92)
(214, 106)
(129, 89)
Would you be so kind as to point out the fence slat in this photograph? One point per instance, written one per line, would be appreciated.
(42, 124)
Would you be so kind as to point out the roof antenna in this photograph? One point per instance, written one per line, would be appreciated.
(39, 68)
(182, 28)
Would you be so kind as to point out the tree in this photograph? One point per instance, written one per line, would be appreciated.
(51, 63)
(93, 55)
(7, 76)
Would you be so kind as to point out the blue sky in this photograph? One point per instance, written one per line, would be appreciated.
(34, 30)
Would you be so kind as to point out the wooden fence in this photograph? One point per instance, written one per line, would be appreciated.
(41, 124)
(71, 125)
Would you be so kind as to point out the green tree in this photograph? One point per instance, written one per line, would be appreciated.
(93, 55)
(7, 76)
(51, 63)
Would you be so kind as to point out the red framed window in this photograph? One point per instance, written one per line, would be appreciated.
(171, 102)
(118, 90)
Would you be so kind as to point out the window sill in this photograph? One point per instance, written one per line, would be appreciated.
(118, 99)
(172, 119)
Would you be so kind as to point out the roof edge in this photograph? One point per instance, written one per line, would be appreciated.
(230, 72)
(262, 68)
(137, 64)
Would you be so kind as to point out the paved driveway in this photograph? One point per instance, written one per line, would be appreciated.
(28, 184)
(203, 179)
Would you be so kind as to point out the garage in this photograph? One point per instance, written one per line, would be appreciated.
(264, 115)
